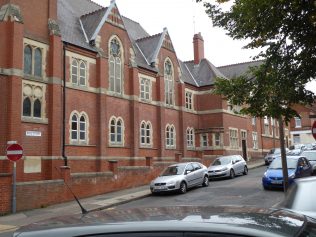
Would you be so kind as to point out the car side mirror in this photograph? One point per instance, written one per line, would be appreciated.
(187, 171)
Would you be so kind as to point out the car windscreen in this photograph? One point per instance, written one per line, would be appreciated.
(173, 170)
(223, 161)
(310, 155)
(277, 164)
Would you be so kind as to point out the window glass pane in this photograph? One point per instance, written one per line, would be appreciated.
(148, 140)
(38, 63)
(82, 74)
(74, 125)
(119, 138)
(74, 72)
(27, 107)
(112, 137)
(74, 135)
(143, 140)
(112, 73)
(28, 60)
(37, 109)
(82, 136)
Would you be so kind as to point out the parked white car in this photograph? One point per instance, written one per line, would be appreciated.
(227, 166)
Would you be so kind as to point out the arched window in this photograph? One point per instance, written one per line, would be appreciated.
(38, 62)
(78, 72)
(27, 107)
(190, 137)
(170, 136)
(145, 134)
(74, 127)
(169, 90)
(82, 74)
(74, 71)
(115, 66)
(33, 100)
(116, 131)
(79, 128)
(37, 109)
(28, 60)
(82, 128)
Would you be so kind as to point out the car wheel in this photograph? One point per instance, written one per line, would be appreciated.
(265, 187)
(183, 188)
(232, 174)
(266, 163)
(245, 170)
(205, 181)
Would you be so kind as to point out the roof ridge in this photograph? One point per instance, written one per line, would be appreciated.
(148, 37)
(94, 3)
(234, 64)
(190, 61)
(91, 13)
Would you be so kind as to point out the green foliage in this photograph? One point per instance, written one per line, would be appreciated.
(285, 31)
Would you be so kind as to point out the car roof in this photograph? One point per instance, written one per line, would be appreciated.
(248, 221)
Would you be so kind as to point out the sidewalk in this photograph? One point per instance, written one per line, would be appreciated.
(103, 201)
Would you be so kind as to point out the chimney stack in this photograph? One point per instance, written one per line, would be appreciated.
(198, 45)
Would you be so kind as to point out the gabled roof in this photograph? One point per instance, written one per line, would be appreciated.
(148, 46)
(236, 70)
(91, 21)
(203, 74)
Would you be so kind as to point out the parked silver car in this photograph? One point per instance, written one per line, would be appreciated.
(272, 154)
(301, 197)
(227, 166)
(180, 177)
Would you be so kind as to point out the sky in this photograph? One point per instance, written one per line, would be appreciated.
(183, 19)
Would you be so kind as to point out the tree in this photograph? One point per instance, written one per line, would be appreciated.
(285, 31)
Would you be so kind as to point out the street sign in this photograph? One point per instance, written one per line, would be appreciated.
(314, 130)
(14, 152)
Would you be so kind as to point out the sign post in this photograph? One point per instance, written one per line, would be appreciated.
(14, 153)
(314, 130)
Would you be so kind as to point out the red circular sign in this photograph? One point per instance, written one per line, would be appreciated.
(14, 152)
(314, 130)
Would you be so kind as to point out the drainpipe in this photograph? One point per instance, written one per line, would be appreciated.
(64, 106)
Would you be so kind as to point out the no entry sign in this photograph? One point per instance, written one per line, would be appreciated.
(314, 130)
(14, 152)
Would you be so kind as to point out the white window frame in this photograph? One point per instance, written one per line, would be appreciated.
(170, 136)
(116, 76)
(169, 84)
(146, 134)
(34, 45)
(233, 138)
(78, 73)
(116, 133)
(298, 122)
(190, 138)
(189, 100)
(204, 142)
(79, 131)
(255, 140)
(145, 89)
(217, 142)
(253, 121)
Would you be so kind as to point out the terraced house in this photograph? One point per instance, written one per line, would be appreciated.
(96, 100)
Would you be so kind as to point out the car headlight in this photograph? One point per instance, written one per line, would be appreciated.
(265, 175)
(292, 176)
(223, 169)
(171, 183)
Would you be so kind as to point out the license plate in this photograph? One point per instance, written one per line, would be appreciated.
(276, 181)
(160, 188)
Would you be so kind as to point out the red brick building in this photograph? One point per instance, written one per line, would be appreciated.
(88, 89)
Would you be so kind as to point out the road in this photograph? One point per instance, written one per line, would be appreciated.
(243, 190)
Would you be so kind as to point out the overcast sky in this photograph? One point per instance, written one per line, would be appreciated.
(184, 18)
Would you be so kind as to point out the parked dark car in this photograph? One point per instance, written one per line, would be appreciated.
(301, 197)
(298, 167)
(177, 221)
(311, 157)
